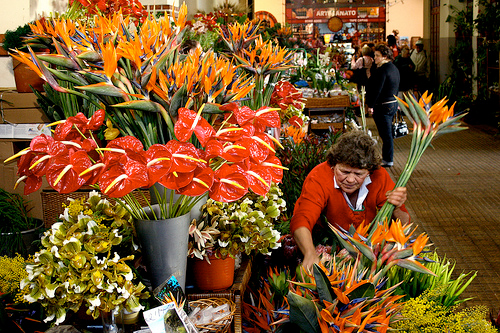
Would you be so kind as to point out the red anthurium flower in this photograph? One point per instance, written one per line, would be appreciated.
(213, 149)
(236, 152)
(32, 182)
(296, 121)
(230, 184)
(185, 156)
(123, 177)
(95, 122)
(244, 115)
(229, 133)
(120, 146)
(260, 147)
(41, 143)
(63, 174)
(259, 179)
(202, 181)
(231, 107)
(42, 161)
(159, 161)
(275, 168)
(189, 122)
(248, 130)
(176, 180)
(266, 116)
(74, 127)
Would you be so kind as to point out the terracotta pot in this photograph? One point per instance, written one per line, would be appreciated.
(218, 275)
(25, 77)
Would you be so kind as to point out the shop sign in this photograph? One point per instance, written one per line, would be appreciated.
(310, 15)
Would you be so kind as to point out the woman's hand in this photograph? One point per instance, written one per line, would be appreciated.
(303, 238)
(309, 260)
(397, 197)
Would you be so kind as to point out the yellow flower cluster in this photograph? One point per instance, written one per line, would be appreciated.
(75, 207)
(425, 315)
(11, 273)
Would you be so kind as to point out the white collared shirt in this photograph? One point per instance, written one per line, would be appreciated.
(363, 192)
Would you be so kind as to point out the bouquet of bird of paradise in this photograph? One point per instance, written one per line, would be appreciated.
(236, 157)
(429, 121)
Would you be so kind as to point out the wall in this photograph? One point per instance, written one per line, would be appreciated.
(275, 7)
(407, 17)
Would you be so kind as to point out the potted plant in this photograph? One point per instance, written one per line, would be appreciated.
(86, 260)
(23, 75)
(226, 230)
(18, 230)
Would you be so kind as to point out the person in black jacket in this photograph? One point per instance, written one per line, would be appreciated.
(406, 69)
(382, 88)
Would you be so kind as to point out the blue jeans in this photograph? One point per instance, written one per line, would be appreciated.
(383, 115)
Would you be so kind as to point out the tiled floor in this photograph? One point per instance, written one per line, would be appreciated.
(454, 196)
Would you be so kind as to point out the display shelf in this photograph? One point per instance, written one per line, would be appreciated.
(325, 113)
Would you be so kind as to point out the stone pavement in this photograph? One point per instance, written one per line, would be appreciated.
(454, 196)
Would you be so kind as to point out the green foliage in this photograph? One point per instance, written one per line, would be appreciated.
(14, 218)
(58, 105)
(426, 314)
(415, 283)
(16, 38)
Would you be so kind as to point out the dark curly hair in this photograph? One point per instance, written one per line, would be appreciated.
(385, 51)
(356, 149)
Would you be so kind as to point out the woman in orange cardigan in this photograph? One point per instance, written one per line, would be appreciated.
(348, 188)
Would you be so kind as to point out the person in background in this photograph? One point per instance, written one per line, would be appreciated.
(381, 90)
(422, 66)
(349, 188)
(391, 42)
(406, 69)
(365, 61)
(395, 32)
(315, 41)
(189, 46)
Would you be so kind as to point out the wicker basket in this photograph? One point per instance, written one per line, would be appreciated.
(219, 326)
(52, 202)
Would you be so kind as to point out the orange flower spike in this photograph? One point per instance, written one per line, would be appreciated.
(419, 243)
(181, 17)
(362, 230)
(327, 316)
(397, 233)
(110, 59)
(379, 234)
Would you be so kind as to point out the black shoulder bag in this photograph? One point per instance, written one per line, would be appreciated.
(399, 127)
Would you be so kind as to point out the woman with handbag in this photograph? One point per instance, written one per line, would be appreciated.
(361, 67)
(382, 88)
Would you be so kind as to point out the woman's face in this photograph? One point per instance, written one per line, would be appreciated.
(379, 57)
(349, 179)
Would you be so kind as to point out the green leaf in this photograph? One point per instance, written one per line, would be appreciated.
(366, 290)
(59, 60)
(103, 88)
(178, 101)
(323, 285)
(303, 312)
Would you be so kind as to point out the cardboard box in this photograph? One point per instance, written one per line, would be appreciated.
(21, 108)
